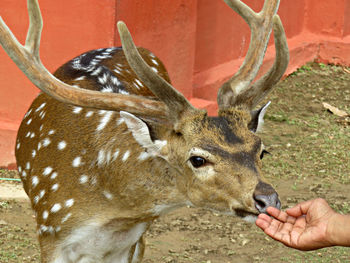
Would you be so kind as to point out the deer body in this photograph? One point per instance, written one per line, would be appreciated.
(104, 157)
(113, 146)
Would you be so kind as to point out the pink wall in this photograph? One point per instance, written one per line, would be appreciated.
(202, 43)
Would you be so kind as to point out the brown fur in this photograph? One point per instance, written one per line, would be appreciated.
(122, 193)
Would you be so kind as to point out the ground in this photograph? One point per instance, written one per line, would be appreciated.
(309, 158)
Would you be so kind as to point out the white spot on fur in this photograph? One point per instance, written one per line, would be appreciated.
(103, 79)
(55, 208)
(143, 156)
(107, 89)
(104, 121)
(89, 114)
(29, 121)
(40, 107)
(45, 215)
(24, 174)
(77, 110)
(100, 157)
(76, 162)
(46, 142)
(41, 194)
(54, 187)
(35, 181)
(155, 62)
(126, 156)
(108, 195)
(53, 175)
(42, 114)
(80, 78)
(36, 199)
(28, 165)
(83, 179)
(33, 153)
(51, 132)
(96, 71)
(18, 146)
(47, 170)
(69, 202)
(27, 114)
(67, 216)
(61, 145)
(115, 154)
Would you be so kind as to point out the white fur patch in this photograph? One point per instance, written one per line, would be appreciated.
(96, 243)
(261, 117)
(141, 134)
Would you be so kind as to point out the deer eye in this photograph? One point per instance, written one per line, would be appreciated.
(263, 153)
(197, 161)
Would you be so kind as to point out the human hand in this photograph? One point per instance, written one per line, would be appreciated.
(307, 226)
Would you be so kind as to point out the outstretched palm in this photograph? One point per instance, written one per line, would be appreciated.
(303, 227)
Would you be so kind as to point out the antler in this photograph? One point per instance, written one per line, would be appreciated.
(27, 59)
(239, 89)
(174, 100)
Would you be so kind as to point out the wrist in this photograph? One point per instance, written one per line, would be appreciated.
(338, 230)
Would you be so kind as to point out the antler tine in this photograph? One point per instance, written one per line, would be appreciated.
(262, 87)
(174, 100)
(28, 60)
(260, 25)
(35, 28)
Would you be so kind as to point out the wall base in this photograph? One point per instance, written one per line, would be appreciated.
(7, 146)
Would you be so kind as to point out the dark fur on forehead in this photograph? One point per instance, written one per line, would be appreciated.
(228, 127)
(236, 115)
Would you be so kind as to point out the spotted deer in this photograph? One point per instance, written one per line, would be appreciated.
(110, 145)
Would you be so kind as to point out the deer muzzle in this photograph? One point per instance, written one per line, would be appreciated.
(265, 196)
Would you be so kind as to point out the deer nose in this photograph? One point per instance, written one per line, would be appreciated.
(265, 196)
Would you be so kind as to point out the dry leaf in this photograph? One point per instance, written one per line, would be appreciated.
(335, 110)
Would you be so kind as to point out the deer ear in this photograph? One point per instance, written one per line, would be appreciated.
(141, 134)
(257, 120)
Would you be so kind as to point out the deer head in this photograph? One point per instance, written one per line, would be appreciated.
(137, 153)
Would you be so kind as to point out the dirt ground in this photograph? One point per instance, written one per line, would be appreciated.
(309, 158)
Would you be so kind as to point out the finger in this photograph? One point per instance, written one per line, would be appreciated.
(280, 215)
(300, 209)
(262, 224)
(265, 217)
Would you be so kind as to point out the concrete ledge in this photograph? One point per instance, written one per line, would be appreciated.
(7, 146)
